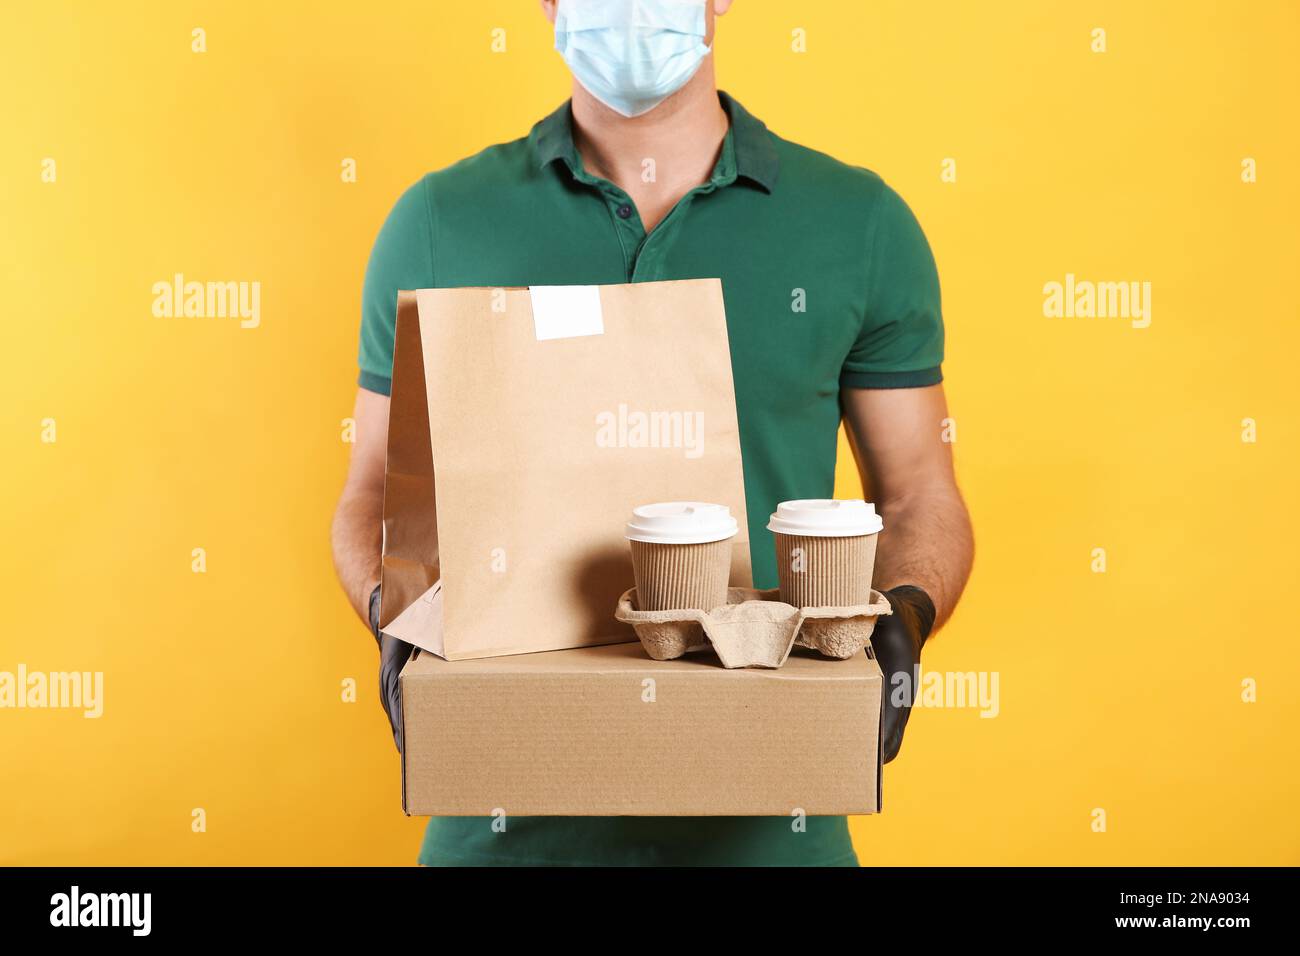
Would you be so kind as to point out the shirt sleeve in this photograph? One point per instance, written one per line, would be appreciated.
(900, 344)
(402, 258)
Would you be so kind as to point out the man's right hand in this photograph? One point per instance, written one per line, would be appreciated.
(393, 655)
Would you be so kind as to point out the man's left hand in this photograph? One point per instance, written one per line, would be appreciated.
(896, 642)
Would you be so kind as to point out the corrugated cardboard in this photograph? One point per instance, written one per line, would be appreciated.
(754, 628)
(526, 405)
(605, 731)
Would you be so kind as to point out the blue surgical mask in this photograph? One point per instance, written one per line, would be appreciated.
(631, 54)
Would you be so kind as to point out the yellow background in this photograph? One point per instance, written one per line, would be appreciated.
(1119, 691)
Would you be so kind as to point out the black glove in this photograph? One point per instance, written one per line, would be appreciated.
(896, 642)
(393, 655)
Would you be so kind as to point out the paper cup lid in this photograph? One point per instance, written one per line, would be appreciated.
(826, 518)
(681, 522)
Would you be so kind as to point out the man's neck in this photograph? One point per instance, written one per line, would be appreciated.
(681, 138)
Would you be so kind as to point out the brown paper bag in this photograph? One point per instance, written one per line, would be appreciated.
(547, 415)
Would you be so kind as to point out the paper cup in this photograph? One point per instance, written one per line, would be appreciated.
(825, 551)
(681, 555)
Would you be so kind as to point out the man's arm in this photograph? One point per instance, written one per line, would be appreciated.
(358, 540)
(357, 533)
(906, 468)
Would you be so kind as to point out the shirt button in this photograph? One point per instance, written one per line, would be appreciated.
(624, 211)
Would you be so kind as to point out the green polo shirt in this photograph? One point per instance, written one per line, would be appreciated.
(828, 284)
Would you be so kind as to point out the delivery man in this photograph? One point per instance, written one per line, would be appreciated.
(650, 173)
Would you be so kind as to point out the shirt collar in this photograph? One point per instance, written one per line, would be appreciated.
(748, 141)
(756, 157)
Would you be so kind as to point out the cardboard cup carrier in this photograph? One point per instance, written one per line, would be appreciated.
(825, 549)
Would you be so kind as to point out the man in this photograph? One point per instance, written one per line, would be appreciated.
(832, 303)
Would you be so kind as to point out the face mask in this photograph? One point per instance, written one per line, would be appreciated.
(631, 54)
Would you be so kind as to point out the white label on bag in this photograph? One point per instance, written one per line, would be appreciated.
(566, 311)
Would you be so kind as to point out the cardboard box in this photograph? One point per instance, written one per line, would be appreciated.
(606, 731)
